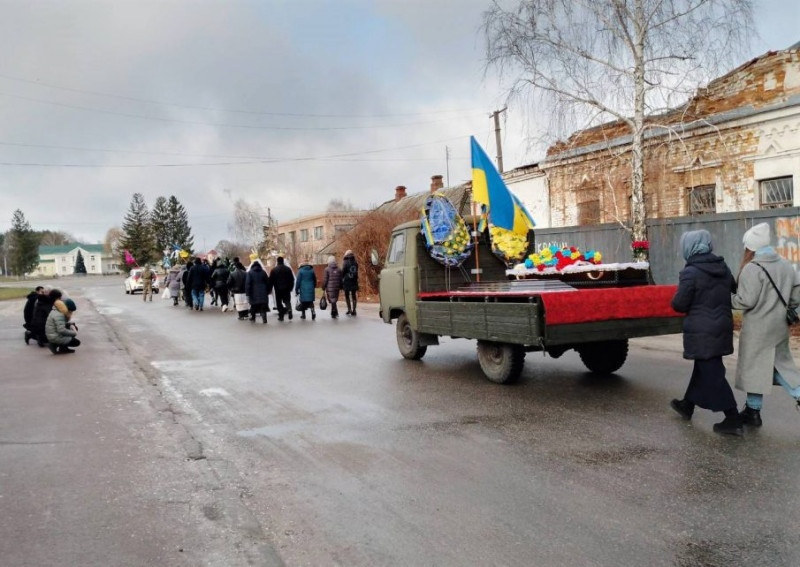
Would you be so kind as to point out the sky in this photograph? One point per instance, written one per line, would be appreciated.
(286, 104)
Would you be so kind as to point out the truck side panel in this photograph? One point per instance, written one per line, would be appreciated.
(519, 323)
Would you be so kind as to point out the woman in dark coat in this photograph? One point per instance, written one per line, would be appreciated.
(332, 284)
(198, 279)
(704, 294)
(219, 278)
(350, 282)
(236, 284)
(257, 287)
(40, 313)
(304, 287)
(27, 312)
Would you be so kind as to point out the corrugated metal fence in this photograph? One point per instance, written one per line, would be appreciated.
(726, 230)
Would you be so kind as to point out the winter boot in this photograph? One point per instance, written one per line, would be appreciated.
(355, 302)
(313, 314)
(683, 407)
(750, 416)
(731, 425)
(347, 300)
(53, 348)
(28, 336)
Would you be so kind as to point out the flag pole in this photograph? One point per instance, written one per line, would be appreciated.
(477, 240)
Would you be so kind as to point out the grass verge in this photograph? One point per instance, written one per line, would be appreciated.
(13, 292)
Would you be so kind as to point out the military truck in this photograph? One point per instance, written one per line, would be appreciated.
(594, 315)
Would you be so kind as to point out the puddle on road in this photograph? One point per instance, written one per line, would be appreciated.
(619, 455)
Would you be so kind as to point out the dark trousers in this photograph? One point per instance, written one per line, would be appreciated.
(351, 299)
(222, 293)
(187, 296)
(284, 301)
(708, 387)
(258, 309)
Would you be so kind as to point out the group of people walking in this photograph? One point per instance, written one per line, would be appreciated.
(249, 289)
(765, 288)
(48, 320)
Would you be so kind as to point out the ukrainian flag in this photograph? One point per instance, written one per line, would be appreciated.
(488, 188)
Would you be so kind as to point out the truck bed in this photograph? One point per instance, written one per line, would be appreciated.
(548, 313)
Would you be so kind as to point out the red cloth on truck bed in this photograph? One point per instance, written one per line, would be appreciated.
(602, 304)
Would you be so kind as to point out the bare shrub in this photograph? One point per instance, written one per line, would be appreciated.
(373, 231)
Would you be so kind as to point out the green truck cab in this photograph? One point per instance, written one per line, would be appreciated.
(510, 318)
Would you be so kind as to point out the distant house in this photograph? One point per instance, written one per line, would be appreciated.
(60, 260)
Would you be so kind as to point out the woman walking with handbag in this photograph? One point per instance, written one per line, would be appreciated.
(704, 294)
(768, 286)
(332, 285)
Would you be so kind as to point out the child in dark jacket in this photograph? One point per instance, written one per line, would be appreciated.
(704, 294)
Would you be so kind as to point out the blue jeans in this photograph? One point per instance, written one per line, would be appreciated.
(756, 401)
(198, 295)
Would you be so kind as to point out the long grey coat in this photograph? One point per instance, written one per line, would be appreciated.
(764, 340)
(173, 282)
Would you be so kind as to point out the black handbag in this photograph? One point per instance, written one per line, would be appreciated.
(791, 314)
(323, 302)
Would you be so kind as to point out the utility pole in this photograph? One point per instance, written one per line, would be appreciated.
(447, 163)
(496, 115)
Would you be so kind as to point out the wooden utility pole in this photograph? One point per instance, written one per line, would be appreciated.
(496, 115)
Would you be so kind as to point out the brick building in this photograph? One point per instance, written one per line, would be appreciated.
(734, 147)
(305, 237)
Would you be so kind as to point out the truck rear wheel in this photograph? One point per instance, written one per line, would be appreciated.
(501, 362)
(408, 340)
(604, 357)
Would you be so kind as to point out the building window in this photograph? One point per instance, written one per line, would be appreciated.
(304, 235)
(63, 258)
(92, 258)
(317, 233)
(92, 268)
(292, 237)
(589, 212)
(776, 193)
(702, 199)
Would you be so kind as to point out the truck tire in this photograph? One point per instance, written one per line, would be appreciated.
(501, 362)
(604, 357)
(408, 340)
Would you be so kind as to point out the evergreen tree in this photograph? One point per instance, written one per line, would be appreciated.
(137, 234)
(160, 223)
(23, 245)
(179, 230)
(80, 265)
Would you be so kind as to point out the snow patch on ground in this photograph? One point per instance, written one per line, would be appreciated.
(210, 392)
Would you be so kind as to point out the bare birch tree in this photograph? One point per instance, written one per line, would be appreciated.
(248, 225)
(587, 62)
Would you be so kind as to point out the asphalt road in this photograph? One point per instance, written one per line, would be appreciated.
(337, 451)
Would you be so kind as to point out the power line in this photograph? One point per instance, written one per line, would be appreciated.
(231, 110)
(221, 124)
(334, 157)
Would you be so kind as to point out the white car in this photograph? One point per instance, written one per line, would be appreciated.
(134, 283)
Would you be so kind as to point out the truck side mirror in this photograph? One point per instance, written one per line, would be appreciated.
(373, 256)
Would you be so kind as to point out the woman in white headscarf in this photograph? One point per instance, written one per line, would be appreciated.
(766, 281)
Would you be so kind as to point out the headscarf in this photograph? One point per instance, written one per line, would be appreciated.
(695, 242)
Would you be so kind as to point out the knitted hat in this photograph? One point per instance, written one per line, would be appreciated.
(757, 237)
(70, 304)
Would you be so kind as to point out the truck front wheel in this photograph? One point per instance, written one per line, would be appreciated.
(501, 362)
(408, 340)
(604, 357)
